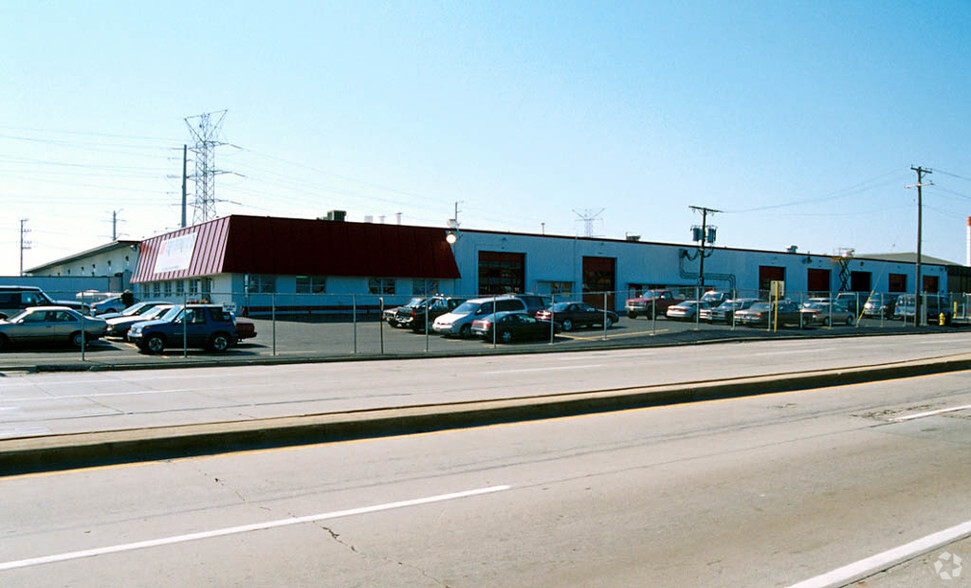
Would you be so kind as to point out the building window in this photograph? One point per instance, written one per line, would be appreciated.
(207, 288)
(260, 284)
(167, 288)
(421, 286)
(311, 285)
(381, 285)
(156, 289)
(180, 288)
(193, 287)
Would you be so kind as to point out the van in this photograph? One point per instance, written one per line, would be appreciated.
(458, 323)
(14, 299)
(934, 305)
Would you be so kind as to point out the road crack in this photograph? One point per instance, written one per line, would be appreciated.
(352, 548)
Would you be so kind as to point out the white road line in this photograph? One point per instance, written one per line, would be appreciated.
(871, 565)
(929, 413)
(36, 561)
(545, 369)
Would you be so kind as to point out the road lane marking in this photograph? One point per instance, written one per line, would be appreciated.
(546, 369)
(882, 561)
(929, 413)
(36, 561)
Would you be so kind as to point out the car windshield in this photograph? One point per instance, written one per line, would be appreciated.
(137, 308)
(471, 307)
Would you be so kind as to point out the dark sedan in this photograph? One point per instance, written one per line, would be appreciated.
(570, 315)
(763, 314)
(512, 326)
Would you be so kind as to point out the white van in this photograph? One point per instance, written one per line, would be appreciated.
(458, 323)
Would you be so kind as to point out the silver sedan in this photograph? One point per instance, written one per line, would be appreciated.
(50, 324)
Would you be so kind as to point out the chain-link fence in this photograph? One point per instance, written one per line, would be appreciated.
(328, 325)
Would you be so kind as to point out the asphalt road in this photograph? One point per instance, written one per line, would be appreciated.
(42, 404)
(769, 490)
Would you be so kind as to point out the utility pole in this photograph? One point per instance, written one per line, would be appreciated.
(24, 243)
(919, 318)
(703, 238)
(114, 225)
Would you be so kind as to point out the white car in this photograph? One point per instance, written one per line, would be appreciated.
(458, 323)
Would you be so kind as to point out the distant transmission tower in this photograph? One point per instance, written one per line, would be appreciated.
(24, 242)
(205, 131)
(588, 217)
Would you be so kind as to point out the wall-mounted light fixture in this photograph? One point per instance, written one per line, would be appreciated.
(451, 237)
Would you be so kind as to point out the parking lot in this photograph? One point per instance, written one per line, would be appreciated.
(329, 338)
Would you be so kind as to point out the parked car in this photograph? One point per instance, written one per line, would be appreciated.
(14, 299)
(650, 304)
(534, 302)
(576, 314)
(245, 328)
(760, 313)
(413, 317)
(50, 324)
(685, 311)
(391, 314)
(512, 326)
(853, 301)
(111, 305)
(119, 326)
(827, 314)
(714, 298)
(934, 305)
(880, 305)
(458, 323)
(200, 325)
(726, 310)
(138, 308)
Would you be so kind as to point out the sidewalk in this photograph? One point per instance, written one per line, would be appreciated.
(70, 451)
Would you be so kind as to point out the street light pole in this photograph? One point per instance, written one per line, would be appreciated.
(919, 318)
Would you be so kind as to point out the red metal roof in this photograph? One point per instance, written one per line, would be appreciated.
(289, 246)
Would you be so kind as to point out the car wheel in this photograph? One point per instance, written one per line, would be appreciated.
(632, 315)
(4, 343)
(849, 321)
(77, 340)
(219, 342)
(825, 321)
(567, 325)
(610, 322)
(154, 344)
(465, 331)
(505, 336)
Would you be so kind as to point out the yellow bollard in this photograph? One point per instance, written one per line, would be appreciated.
(940, 320)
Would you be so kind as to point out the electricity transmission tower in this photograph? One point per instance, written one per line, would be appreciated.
(588, 217)
(205, 131)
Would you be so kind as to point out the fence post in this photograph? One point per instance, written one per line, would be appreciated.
(381, 322)
(354, 319)
(495, 322)
(83, 334)
(552, 317)
(605, 316)
(273, 319)
(185, 326)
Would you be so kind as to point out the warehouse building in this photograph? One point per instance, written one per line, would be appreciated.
(267, 264)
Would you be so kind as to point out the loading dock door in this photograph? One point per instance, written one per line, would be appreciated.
(599, 276)
(818, 281)
(767, 275)
(859, 281)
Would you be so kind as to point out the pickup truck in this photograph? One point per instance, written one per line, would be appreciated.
(200, 325)
(651, 303)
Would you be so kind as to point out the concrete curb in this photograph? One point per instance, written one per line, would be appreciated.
(62, 452)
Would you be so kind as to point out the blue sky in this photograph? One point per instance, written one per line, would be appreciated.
(799, 120)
